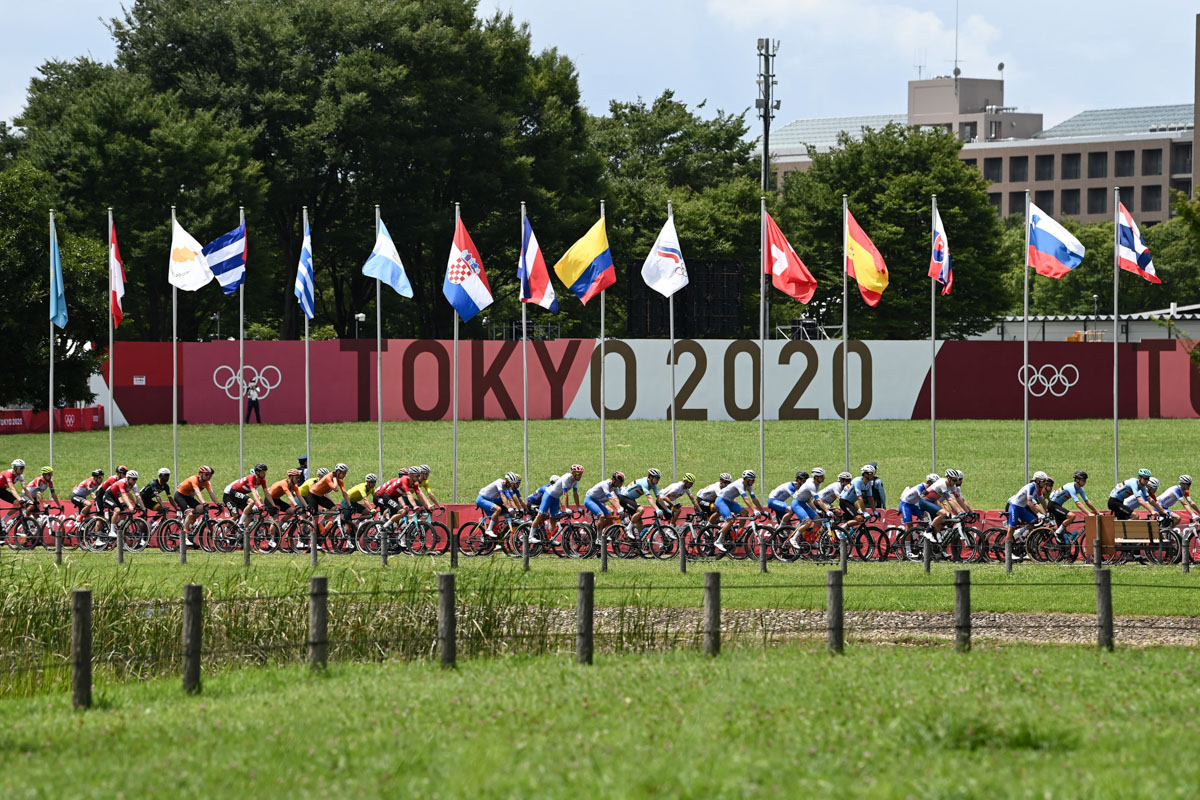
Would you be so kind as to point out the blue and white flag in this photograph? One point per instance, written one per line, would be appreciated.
(58, 297)
(226, 257)
(304, 275)
(664, 270)
(385, 264)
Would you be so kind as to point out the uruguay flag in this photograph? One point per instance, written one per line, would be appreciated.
(1133, 254)
(1053, 251)
(465, 285)
(939, 260)
(385, 263)
(226, 256)
(533, 275)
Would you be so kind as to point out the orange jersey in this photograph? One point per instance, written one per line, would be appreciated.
(192, 486)
(279, 489)
(326, 485)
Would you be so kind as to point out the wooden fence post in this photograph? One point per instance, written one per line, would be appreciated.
(682, 553)
(246, 545)
(1185, 558)
(926, 553)
(712, 613)
(834, 617)
(604, 548)
(1008, 548)
(81, 648)
(193, 627)
(585, 618)
(58, 537)
(843, 555)
(316, 536)
(1104, 609)
(525, 549)
(318, 622)
(453, 540)
(447, 645)
(762, 553)
(1097, 551)
(962, 610)
(120, 546)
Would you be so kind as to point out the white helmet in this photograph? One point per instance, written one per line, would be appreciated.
(931, 477)
(131, 475)
(955, 474)
(845, 476)
(342, 468)
(1152, 484)
(554, 478)
(868, 469)
(749, 475)
(818, 472)
(1040, 476)
(512, 478)
(18, 464)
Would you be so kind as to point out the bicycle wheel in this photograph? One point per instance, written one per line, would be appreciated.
(994, 543)
(166, 535)
(137, 535)
(225, 536)
(663, 541)
(369, 537)
(23, 533)
(1166, 549)
(579, 540)
(862, 543)
(619, 543)
(52, 528)
(265, 536)
(472, 541)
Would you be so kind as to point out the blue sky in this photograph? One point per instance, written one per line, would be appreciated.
(836, 57)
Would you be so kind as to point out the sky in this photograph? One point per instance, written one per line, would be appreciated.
(836, 57)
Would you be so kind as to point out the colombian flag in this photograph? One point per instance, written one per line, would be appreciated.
(864, 263)
(587, 268)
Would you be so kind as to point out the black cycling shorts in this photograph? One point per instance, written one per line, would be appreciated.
(848, 508)
(629, 505)
(1118, 508)
(188, 501)
(111, 502)
(316, 501)
(279, 504)
(235, 501)
(388, 502)
(705, 507)
(1057, 512)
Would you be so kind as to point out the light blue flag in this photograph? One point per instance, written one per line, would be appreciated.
(385, 263)
(58, 298)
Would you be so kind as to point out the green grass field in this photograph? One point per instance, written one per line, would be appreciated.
(990, 452)
(786, 722)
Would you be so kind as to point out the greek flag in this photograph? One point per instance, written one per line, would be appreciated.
(304, 275)
(226, 256)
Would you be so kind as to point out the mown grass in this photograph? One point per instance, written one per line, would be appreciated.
(786, 722)
(990, 452)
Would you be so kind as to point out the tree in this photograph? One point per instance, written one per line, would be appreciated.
(25, 202)
(889, 176)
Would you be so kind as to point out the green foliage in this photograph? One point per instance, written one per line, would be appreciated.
(889, 176)
(261, 331)
(25, 202)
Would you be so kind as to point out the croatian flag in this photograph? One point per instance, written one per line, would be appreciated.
(1133, 254)
(465, 285)
(939, 260)
(533, 275)
(664, 270)
(226, 257)
(1053, 251)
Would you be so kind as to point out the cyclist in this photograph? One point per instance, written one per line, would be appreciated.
(669, 499)
(864, 496)
(1180, 493)
(319, 491)
(237, 494)
(107, 484)
(81, 495)
(1148, 502)
(418, 475)
(1072, 491)
(1134, 487)
(597, 500)
(497, 498)
(157, 492)
(629, 495)
(10, 479)
(800, 506)
(396, 496)
(915, 504)
(309, 483)
(947, 493)
(1023, 508)
(121, 499)
(423, 490)
(828, 496)
(706, 498)
(728, 507)
(533, 500)
(303, 465)
(40, 484)
(284, 496)
(780, 498)
(551, 503)
(352, 502)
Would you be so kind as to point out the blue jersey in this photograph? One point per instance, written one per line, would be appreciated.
(638, 488)
(536, 496)
(1125, 489)
(1069, 492)
(866, 490)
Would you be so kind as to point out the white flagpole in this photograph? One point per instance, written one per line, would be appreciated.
(174, 366)
(241, 362)
(379, 354)
(845, 331)
(933, 355)
(454, 392)
(307, 392)
(524, 360)
(51, 405)
(671, 332)
(111, 354)
(603, 460)
(762, 339)
(1025, 318)
(1116, 326)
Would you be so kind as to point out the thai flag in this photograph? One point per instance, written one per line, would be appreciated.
(533, 275)
(1133, 254)
(465, 284)
(939, 260)
(1053, 251)
(226, 256)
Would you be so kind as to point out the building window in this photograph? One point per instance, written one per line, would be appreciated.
(970, 162)
(1070, 201)
(1181, 158)
(1097, 165)
(1124, 163)
(994, 129)
(968, 130)
(1127, 195)
(1016, 202)
(993, 169)
(1097, 201)
(1182, 185)
(1018, 169)
(1070, 166)
(1045, 200)
(1043, 168)
(1152, 162)
(1152, 197)
(995, 199)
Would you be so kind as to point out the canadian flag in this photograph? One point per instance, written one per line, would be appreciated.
(787, 271)
(116, 277)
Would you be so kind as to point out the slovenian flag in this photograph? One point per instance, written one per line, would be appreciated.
(587, 268)
(1133, 254)
(226, 256)
(939, 259)
(465, 285)
(1053, 251)
(533, 275)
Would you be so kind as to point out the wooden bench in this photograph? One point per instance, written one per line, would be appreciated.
(1120, 536)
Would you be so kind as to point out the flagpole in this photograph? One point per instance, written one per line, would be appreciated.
(933, 353)
(454, 393)
(762, 337)
(111, 354)
(1116, 326)
(51, 405)
(845, 331)
(524, 358)
(174, 366)
(1025, 318)
(671, 332)
(379, 354)
(603, 461)
(307, 391)
(241, 361)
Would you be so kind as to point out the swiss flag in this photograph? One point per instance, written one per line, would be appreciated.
(787, 271)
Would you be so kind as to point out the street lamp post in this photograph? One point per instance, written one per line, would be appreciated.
(357, 319)
(217, 317)
(1096, 305)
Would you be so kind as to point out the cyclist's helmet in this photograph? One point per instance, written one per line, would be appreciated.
(1080, 475)
(322, 472)
(131, 475)
(726, 477)
(121, 470)
(1143, 473)
(1185, 480)
(577, 468)
(618, 477)
(164, 473)
(845, 476)
(931, 477)
(653, 473)
(47, 470)
(400, 473)
(749, 475)
(554, 478)
(371, 478)
(512, 478)
(424, 469)
(801, 475)
(342, 468)
(18, 464)
(294, 473)
(955, 474)
(260, 467)
(689, 477)
(97, 473)
(205, 470)
(1040, 476)
(868, 469)
(1152, 484)
(818, 472)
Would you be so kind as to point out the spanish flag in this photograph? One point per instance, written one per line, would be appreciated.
(864, 263)
(587, 268)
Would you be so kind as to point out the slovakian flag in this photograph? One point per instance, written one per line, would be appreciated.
(465, 285)
(787, 271)
(587, 268)
(532, 273)
(939, 260)
(664, 270)
(1132, 252)
(864, 263)
(116, 278)
(1053, 251)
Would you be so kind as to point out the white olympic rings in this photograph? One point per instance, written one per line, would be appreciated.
(1048, 379)
(249, 375)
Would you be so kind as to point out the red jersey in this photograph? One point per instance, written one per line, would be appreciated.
(87, 486)
(247, 483)
(390, 489)
(42, 482)
(119, 488)
(108, 484)
(9, 479)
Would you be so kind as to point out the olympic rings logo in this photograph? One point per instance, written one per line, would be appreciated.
(227, 382)
(1048, 379)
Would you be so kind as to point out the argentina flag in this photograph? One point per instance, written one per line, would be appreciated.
(226, 256)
